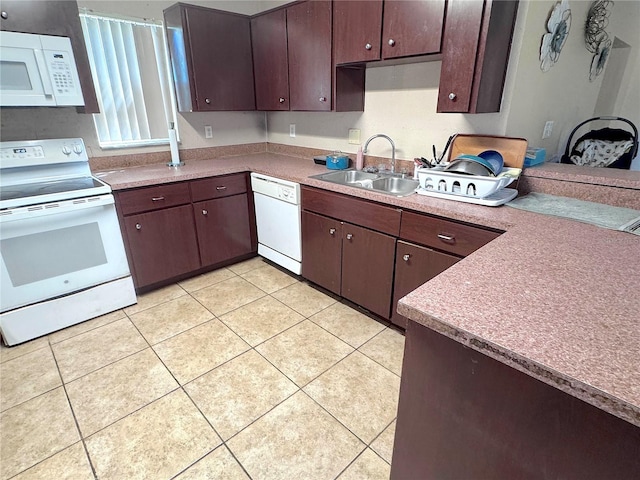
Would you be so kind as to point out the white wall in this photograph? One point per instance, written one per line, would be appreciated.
(564, 94)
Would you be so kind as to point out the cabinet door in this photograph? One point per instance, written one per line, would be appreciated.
(367, 268)
(162, 244)
(309, 44)
(322, 251)
(357, 26)
(475, 54)
(54, 18)
(223, 228)
(270, 63)
(415, 265)
(412, 27)
(211, 57)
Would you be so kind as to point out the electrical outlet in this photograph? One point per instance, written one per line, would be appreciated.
(292, 129)
(208, 131)
(354, 136)
(548, 128)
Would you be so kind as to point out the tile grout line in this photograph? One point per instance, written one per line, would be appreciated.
(73, 414)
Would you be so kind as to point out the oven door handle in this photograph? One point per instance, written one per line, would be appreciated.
(54, 208)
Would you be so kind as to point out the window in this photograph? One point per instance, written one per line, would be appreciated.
(130, 68)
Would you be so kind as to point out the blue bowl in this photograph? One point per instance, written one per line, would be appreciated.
(494, 158)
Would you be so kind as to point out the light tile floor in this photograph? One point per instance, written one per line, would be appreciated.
(244, 372)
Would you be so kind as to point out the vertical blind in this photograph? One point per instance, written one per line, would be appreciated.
(130, 68)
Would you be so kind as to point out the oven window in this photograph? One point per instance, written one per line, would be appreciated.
(39, 256)
(14, 76)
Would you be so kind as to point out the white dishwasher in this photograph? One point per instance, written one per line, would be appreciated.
(277, 204)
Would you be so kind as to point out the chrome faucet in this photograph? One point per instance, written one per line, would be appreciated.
(393, 149)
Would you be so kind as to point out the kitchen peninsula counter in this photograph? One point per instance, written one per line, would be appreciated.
(556, 299)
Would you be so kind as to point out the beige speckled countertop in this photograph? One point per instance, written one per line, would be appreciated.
(556, 299)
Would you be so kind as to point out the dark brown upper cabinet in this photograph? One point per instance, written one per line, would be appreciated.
(475, 54)
(58, 18)
(211, 61)
(270, 61)
(292, 57)
(365, 31)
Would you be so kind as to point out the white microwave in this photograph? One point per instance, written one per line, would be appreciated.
(38, 70)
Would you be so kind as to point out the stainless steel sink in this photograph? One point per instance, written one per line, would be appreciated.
(383, 183)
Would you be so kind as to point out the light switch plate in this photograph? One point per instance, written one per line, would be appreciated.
(548, 128)
(208, 131)
(292, 129)
(354, 136)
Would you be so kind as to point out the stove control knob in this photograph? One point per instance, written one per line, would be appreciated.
(66, 150)
(77, 148)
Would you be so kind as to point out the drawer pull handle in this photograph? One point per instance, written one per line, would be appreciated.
(157, 199)
(406, 257)
(221, 188)
(349, 236)
(332, 231)
(204, 212)
(138, 226)
(447, 238)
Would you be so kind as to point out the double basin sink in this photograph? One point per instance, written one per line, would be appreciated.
(378, 182)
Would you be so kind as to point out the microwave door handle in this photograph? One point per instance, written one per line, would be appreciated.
(44, 73)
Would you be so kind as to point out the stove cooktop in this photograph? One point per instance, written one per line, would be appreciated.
(12, 196)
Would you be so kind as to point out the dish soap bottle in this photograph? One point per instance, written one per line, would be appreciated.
(359, 159)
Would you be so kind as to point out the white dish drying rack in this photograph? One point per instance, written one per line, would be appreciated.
(477, 189)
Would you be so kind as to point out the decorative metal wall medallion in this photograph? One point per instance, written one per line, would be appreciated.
(596, 38)
(558, 26)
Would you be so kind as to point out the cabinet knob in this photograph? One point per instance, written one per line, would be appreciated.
(207, 101)
(367, 46)
(391, 42)
(332, 231)
(349, 236)
(205, 212)
(138, 226)
(281, 99)
(452, 96)
(4, 15)
(406, 257)
(323, 99)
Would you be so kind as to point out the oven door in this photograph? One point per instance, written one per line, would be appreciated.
(59, 248)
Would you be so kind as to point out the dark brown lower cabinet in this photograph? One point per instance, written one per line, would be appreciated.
(223, 228)
(415, 265)
(348, 260)
(162, 244)
(462, 414)
(367, 268)
(322, 251)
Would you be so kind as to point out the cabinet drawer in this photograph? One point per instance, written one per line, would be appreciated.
(443, 234)
(153, 198)
(360, 212)
(216, 187)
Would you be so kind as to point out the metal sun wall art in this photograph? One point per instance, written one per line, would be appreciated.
(558, 27)
(595, 37)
